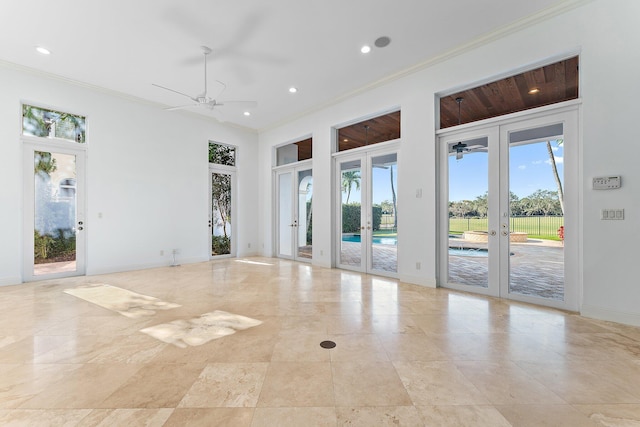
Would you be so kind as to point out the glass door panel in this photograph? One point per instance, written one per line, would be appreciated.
(221, 206)
(55, 206)
(384, 213)
(350, 213)
(285, 214)
(468, 209)
(304, 215)
(54, 221)
(536, 181)
(295, 221)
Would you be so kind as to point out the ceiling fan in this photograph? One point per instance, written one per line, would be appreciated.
(460, 148)
(203, 99)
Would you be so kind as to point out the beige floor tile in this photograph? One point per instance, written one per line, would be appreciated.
(226, 385)
(403, 351)
(390, 416)
(624, 415)
(438, 383)
(294, 417)
(581, 382)
(300, 348)
(210, 417)
(126, 417)
(154, 386)
(290, 384)
(368, 384)
(43, 418)
(544, 416)
(83, 387)
(506, 384)
(462, 416)
(406, 347)
(358, 347)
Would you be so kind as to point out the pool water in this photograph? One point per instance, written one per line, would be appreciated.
(469, 252)
(376, 240)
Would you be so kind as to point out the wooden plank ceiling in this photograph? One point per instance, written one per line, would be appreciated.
(555, 83)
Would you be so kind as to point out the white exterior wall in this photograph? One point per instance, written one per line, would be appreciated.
(606, 34)
(147, 174)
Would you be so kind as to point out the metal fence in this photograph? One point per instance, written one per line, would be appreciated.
(534, 225)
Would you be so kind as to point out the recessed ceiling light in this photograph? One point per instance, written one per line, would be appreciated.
(365, 49)
(247, 113)
(43, 50)
(533, 91)
(345, 140)
(293, 89)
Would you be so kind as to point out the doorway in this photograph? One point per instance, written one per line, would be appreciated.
(222, 202)
(367, 217)
(508, 208)
(54, 220)
(294, 195)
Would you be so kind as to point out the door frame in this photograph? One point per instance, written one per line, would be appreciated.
(294, 169)
(29, 146)
(225, 170)
(566, 113)
(365, 155)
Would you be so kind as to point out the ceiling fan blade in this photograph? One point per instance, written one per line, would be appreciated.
(175, 91)
(180, 107)
(247, 104)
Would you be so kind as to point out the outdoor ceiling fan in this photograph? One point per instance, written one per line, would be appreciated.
(203, 99)
(460, 148)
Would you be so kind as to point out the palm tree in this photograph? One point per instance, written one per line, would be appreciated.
(349, 179)
(556, 176)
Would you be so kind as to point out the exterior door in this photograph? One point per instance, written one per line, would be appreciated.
(222, 203)
(55, 223)
(367, 234)
(508, 191)
(295, 212)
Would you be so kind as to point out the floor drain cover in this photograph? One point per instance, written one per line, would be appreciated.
(327, 344)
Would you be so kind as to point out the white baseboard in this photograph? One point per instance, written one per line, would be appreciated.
(8, 281)
(133, 267)
(602, 313)
(421, 281)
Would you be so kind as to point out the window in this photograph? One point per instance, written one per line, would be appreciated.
(368, 132)
(535, 88)
(294, 152)
(221, 154)
(52, 124)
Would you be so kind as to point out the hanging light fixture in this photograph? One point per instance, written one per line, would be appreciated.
(459, 148)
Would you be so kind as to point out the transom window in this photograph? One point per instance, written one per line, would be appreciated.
(368, 132)
(222, 154)
(47, 123)
(294, 152)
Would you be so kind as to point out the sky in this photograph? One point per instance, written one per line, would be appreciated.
(529, 170)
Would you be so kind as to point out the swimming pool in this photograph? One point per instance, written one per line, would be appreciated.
(355, 238)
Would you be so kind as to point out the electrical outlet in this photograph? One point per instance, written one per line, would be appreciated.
(249, 245)
(418, 265)
(175, 251)
(161, 252)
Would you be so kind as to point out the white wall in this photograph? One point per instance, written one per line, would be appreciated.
(146, 175)
(606, 34)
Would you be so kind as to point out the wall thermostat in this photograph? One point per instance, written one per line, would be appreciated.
(606, 183)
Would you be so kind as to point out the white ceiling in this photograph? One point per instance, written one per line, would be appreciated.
(260, 48)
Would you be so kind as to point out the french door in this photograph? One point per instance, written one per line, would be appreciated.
(222, 208)
(294, 225)
(54, 220)
(367, 217)
(508, 209)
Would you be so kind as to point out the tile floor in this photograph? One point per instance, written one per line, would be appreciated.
(405, 355)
